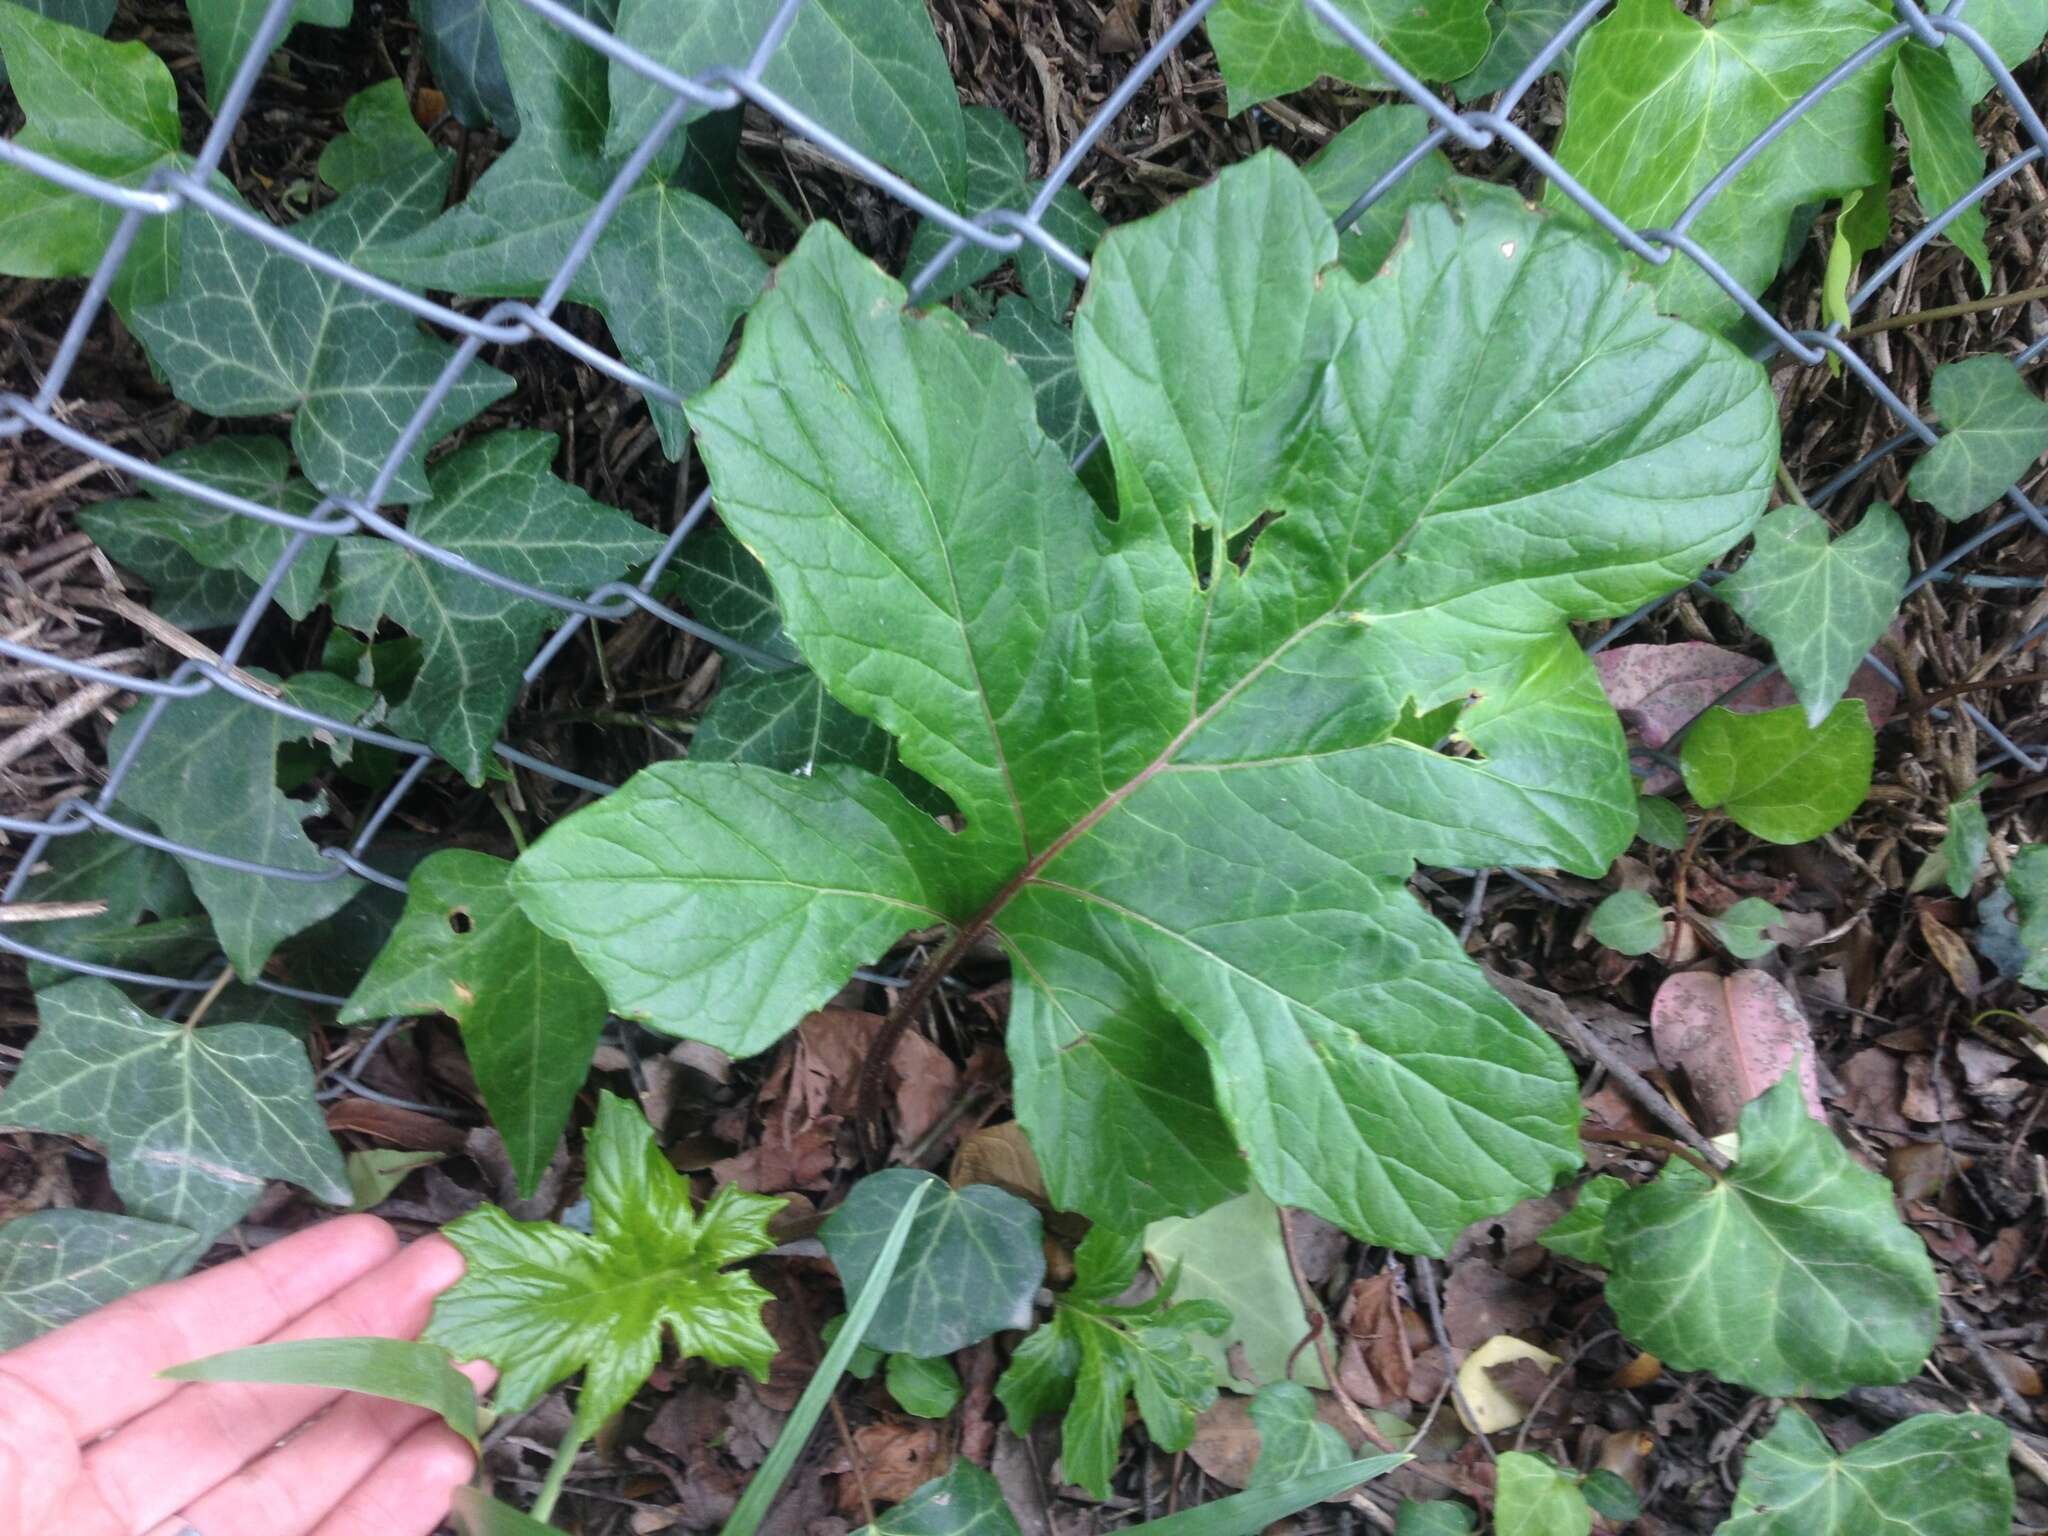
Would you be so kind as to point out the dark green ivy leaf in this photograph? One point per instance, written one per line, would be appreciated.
(1851, 1291)
(1043, 347)
(494, 502)
(2027, 880)
(1123, 722)
(974, 1259)
(1629, 923)
(1292, 1439)
(1521, 30)
(226, 28)
(1094, 1354)
(461, 44)
(530, 1015)
(1434, 1517)
(1367, 148)
(964, 1502)
(194, 1120)
(670, 273)
(249, 331)
(541, 1302)
(59, 1265)
(1937, 1474)
(134, 883)
(1994, 428)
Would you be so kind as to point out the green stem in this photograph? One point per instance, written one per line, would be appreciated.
(558, 1473)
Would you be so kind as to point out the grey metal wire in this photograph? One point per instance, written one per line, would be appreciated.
(997, 230)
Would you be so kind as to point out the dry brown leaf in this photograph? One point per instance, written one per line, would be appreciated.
(406, 1129)
(896, 1460)
(1480, 1302)
(1919, 1169)
(1376, 1341)
(1873, 1084)
(1002, 1156)
(1728, 1038)
(1948, 947)
(1925, 1100)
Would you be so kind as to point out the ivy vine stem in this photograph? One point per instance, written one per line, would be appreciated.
(1654, 1142)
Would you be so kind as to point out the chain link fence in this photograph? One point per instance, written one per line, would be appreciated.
(997, 230)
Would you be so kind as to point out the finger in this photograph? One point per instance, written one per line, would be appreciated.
(38, 1457)
(102, 1370)
(408, 1494)
(289, 1491)
(206, 1432)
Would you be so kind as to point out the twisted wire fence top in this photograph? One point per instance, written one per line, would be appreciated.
(999, 230)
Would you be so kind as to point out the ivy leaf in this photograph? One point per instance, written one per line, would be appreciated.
(870, 71)
(193, 1120)
(925, 1389)
(1268, 50)
(1959, 854)
(541, 1302)
(2027, 880)
(181, 590)
(1581, 1232)
(109, 109)
(1941, 139)
(974, 1259)
(59, 1265)
(461, 45)
(1937, 1474)
(209, 780)
(999, 176)
(493, 502)
(1434, 1517)
(1660, 823)
(134, 882)
(2014, 30)
(1232, 1255)
(1629, 923)
(259, 469)
(478, 1514)
(1043, 347)
(1776, 776)
(1609, 1494)
(224, 30)
(93, 16)
(400, 1370)
(1994, 428)
(530, 1015)
(1534, 1496)
(1292, 1440)
(1853, 1299)
(1115, 732)
(249, 331)
(1821, 604)
(1363, 151)
(1660, 104)
(1741, 928)
(1521, 30)
(670, 273)
(1094, 1354)
(965, 1502)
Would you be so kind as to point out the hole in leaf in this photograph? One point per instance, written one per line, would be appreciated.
(460, 920)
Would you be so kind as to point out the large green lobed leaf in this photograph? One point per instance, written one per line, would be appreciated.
(1192, 789)
(59, 1265)
(1938, 1474)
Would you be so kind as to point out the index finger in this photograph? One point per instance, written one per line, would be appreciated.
(102, 1370)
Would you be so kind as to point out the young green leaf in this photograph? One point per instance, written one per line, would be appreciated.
(1292, 1440)
(1853, 1301)
(1362, 152)
(225, 29)
(478, 1514)
(1937, 1474)
(194, 1120)
(1659, 104)
(109, 109)
(461, 45)
(974, 1260)
(927, 1389)
(1436, 1517)
(209, 780)
(530, 1015)
(1629, 923)
(1961, 851)
(2027, 880)
(494, 503)
(1776, 776)
(1521, 29)
(870, 71)
(964, 1502)
(249, 330)
(1116, 719)
(541, 1302)
(1821, 604)
(1994, 428)
(1581, 1232)
(1941, 138)
(375, 1173)
(670, 273)
(1534, 1496)
(1660, 823)
(257, 468)
(1094, 1354)
(402, 1370)
(1232, 1255)
(1043, 347)
(1741, 928)
(59, 1265)
(1268, 50)
(1861, 226)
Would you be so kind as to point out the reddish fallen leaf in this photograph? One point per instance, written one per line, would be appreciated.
(1000, 1155)
(1376, 1338)
(406, 1129)
(1728, 1038)
(784, 1159)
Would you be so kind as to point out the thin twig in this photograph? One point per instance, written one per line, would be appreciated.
(1639, 1088)
(209, 996)
(1962, 1329)
(1651, 1140)
(1949, 311)
(49, 911)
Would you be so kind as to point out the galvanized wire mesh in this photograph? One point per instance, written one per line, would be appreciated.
(999, 230)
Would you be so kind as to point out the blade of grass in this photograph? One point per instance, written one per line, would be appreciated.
(1243, 1514)
(420, 1374)
(767, 1482)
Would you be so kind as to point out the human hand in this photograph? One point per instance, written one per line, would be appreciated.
(93, 1443)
